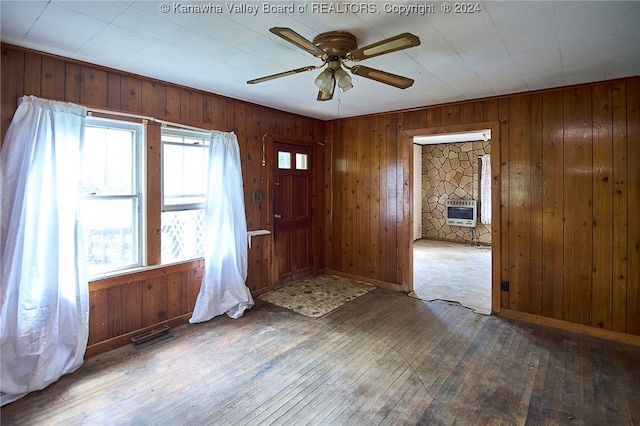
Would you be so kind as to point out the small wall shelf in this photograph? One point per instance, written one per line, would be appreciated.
(256, 232)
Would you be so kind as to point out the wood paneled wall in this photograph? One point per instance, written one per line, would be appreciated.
(134, 303)
(567, 234)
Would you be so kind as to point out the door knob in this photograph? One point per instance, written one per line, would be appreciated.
(277, 216)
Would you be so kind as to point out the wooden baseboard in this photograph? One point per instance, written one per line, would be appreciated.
(615, 336)
(125, 339)
(377, 283)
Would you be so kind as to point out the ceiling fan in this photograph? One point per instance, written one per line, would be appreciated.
(335, 48)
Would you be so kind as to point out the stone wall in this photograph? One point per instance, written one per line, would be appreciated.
(451, 171)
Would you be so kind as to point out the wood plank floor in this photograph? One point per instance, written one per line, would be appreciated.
(384, 358)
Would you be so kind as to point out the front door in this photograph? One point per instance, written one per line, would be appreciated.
(292, 212)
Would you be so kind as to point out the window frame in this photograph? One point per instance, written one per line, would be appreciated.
(169, 208)
(180, 133)
(139, 192)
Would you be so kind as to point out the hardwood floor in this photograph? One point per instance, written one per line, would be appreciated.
(384, 358)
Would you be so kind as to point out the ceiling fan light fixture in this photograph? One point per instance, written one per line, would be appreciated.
(325, 81)
(336, 48)
(343, 79)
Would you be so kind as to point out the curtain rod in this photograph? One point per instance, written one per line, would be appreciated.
(144, 117)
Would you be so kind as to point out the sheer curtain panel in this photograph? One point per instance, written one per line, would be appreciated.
(223, 288)
(485, 190)
(45, 309)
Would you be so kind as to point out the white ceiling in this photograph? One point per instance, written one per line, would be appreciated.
(505, 47)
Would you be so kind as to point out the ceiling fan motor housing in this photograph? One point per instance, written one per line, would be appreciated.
(336, 43)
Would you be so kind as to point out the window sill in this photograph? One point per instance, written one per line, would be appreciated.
(143, 272)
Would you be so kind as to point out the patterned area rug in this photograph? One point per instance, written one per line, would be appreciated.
(317, 296)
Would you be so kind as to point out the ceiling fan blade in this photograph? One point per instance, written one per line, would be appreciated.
(388, 45)
(296, 39)
(382, 76)
(282, 74)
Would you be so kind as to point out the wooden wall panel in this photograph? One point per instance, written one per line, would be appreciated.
(405, 183)
(174, 293)
(32, 74)
(350, 242)
(602, 205)
(569, 245)
(557, 181)
(72, 84)
(578, 201)
(99, 323)
(124, 306)
(374, 199)
(173, 105)
(11, 87)
(131, 312)
(363, 197)
(633, 150)
(450, 115)
(114, 91)
(552, 204)
(390, 189)
(52, 83)
(252, 159)
(519, 208)
(114, 312)
(93, 90)
(505, 196)
(154, 301)
(537, 223)
(620, 207)
(130, 95)
(196, 108)
(153, 99)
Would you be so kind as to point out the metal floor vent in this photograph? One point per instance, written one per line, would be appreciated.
(150, 337)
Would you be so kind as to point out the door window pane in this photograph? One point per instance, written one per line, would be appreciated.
(301, 161)
(284, 160)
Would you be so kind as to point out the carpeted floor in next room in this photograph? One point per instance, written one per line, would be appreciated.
(453, 272)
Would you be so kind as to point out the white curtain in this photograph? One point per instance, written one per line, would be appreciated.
(485, 190)
(45, 297)
(223, 287)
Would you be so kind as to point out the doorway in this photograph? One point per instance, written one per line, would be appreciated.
(450, 261)
(292, 211)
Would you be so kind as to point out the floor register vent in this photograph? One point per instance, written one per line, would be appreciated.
(150, 337)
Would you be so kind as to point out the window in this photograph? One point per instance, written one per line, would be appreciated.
(185, 164)
(111, 195)
(301, 161)
(284, 160)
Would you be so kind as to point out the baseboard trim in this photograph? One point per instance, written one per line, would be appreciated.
(125, 339)
(616, 336)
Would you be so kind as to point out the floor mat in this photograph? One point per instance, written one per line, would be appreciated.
(317, 296)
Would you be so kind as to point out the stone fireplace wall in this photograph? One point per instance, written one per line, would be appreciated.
(451, 171)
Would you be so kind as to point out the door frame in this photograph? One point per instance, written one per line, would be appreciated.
(495, 203)
(269, 161)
